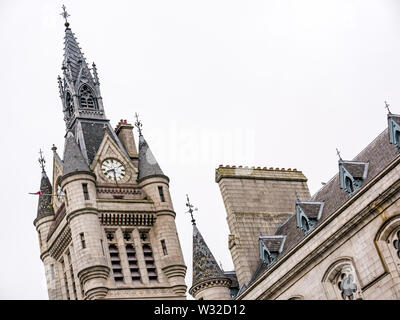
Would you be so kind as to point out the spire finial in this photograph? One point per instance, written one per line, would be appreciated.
(138, 124)
(338, 153)
(191, 210)
(65, 15)
(41, 160)
(387, 107)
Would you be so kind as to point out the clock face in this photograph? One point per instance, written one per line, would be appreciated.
(60, 194)
(113, 169)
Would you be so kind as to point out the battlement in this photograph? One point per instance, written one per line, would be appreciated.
(240, 172)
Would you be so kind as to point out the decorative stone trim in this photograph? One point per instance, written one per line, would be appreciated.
(61, 243)
(178, 270)
(127, 219)
(208, 283)
(119, 190)
(93, 272)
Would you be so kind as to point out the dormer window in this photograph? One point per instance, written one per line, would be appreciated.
(87, 98)
(394, 129)
(307, 215)
(270, 247)
(352, 174)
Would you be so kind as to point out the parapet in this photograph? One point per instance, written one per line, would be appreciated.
(240, 172)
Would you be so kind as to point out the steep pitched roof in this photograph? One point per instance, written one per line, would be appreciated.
(73, 57)
(379, 154)
(148, 165)
(44, 203)
(73, 158)
(204, 264)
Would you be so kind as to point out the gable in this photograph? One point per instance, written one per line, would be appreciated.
(108, 149)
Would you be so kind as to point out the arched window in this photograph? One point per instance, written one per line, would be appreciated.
(388, 241)
(341, 281)
(69, 105)
(87, 98)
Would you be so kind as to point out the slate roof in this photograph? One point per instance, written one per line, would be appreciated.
(148, 165)
(204, 264)
(311, 209)
(379, 154)
(273, 243)
(73, 56)
(44, 202)
(357, 170)
(73, 158)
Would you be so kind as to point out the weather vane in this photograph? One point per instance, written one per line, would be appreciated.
(338, 153)
(41, 160)
(138, 124)
(65, 15)
(387, 107)
(191, 210)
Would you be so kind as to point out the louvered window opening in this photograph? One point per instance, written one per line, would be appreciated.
(116, 263)
(87, 99)
(133, 263)
(149, 260)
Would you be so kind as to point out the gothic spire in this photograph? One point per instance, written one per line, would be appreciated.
(205, 267)
(74, 66)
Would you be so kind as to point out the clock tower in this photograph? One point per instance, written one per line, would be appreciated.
(106, 222)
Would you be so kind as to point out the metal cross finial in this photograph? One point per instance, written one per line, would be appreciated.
(338, 153)
(41, 160)
(387, 107)
(138, 124)
(65, 15)
(191, 210)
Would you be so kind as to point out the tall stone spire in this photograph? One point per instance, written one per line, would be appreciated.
(79, 88)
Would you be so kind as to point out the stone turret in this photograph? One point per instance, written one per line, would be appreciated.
(43, 222)
(156, 185)
(209, 281)
(78, 183)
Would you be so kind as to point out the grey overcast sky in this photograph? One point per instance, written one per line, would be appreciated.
(273, 83)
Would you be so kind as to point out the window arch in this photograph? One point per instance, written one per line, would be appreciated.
(388, 243)
(341, 282)
(87, 98)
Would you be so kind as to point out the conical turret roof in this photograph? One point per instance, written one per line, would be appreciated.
(44, 204)
(204, 264)
(148, 165)
(73, 158)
